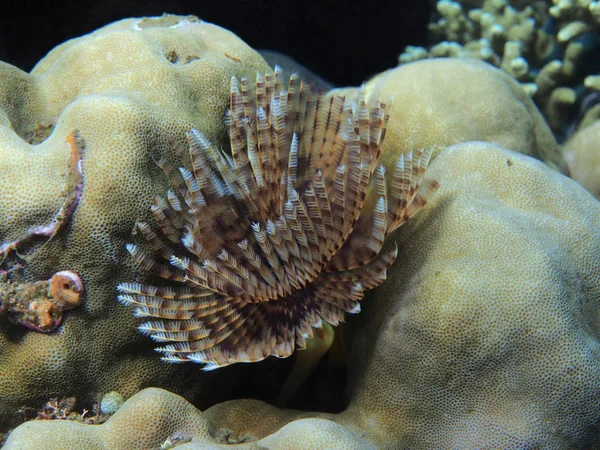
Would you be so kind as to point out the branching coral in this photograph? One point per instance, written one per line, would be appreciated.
(497, 31)
(270, 240)
(545, 45)
(576, 17)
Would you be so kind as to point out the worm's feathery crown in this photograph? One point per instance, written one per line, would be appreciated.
(265, 242)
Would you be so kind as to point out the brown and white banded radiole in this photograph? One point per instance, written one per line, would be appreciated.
(263, 243)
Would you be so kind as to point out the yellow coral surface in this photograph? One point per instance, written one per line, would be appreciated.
(130, 89)
(582, 153)
(440, 102)
(485, 335)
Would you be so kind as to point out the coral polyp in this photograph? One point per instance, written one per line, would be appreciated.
(40, 305)
(263, 243)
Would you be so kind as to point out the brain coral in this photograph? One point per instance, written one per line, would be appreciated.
(440, 102)
(129, 89)
(487, 336)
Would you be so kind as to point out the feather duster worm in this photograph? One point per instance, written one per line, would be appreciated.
(265, 242)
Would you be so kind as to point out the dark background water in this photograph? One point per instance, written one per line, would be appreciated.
(343, 41)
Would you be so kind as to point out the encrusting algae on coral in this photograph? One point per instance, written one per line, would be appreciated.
(286, 231)
(40, 305)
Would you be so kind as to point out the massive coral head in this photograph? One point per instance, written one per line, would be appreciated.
(261, 244)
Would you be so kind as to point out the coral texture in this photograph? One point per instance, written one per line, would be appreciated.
(154, 419)
(485, 335)
(432, 109)
(489, 332)
(582, 153)
(575, 17)
(131, 89)
(267, 243)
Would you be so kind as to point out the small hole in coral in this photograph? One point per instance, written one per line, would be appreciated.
(38, 134)
(172, 56)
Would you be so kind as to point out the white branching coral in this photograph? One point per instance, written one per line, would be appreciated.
(285, 231)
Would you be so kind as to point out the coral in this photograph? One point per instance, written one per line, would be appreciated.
(141, 423)
(560, 80)
(131, 90)
(155, 418)
(269, 242)
(431, 109)
(485, 335)
(575, 17)
(488, 24)
(549, 48)
(72, 192)
(582, 154)
(589, 110)
(492, 324)
(501, 32)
